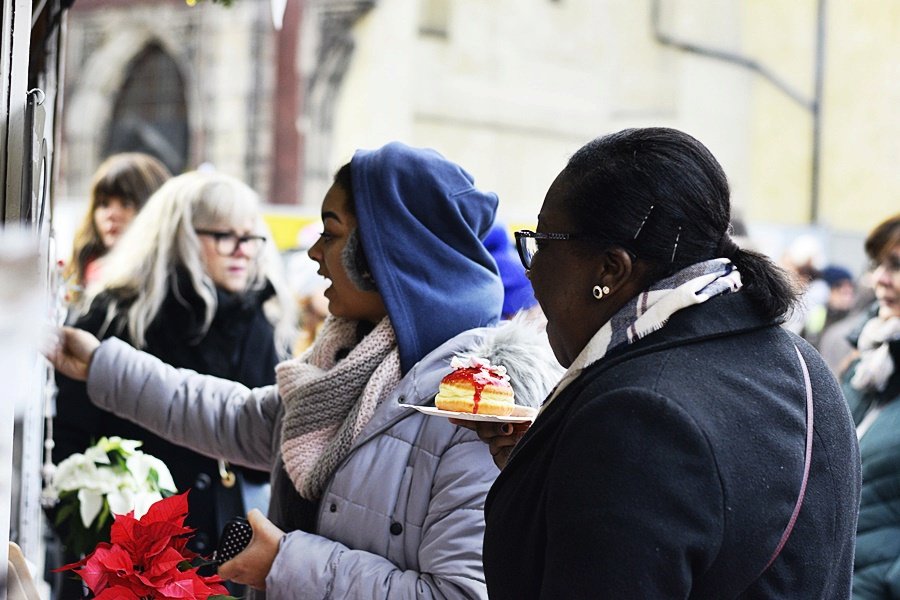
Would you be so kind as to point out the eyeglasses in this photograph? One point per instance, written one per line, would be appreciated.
(527, 242)
(228, 242)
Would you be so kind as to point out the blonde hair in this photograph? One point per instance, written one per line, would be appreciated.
(162, 238)
(131, 177)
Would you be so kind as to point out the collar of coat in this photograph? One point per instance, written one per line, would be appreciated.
(722, 316)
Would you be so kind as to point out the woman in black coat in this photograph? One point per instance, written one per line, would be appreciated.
(694, 448)
(188, 283)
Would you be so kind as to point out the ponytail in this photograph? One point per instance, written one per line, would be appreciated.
(771, 287)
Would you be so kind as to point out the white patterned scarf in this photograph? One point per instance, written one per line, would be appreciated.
(875, 365)
(329, 400)
(650, 310)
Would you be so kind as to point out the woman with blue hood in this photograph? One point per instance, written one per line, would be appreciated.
(369, 499)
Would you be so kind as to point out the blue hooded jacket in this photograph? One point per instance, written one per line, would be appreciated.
(421, 225)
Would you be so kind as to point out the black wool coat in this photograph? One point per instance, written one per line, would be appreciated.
(239, 345)
(670, 469)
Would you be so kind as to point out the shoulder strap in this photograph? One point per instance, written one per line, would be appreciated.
(806, 464)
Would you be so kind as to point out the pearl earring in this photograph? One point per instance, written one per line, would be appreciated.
(599, 292)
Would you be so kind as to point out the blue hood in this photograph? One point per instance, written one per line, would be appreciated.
(517, 292)
(421, 222)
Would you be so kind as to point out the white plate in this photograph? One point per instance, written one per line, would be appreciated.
(437, 412)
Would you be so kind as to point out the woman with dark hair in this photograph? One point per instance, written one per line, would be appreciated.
(369, 498)
(694, 448)
(871, 384)
(120, 187)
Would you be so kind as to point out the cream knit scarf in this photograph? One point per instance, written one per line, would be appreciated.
(328, 401)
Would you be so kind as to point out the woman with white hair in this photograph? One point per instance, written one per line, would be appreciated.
(195, 282)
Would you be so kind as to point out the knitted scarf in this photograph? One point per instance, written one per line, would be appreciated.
(875, 363)
(650, 310)
(329, 400)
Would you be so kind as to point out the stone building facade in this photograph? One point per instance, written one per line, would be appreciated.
(509, 88)
(189, 84)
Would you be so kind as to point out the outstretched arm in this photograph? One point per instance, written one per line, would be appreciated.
(212, 416)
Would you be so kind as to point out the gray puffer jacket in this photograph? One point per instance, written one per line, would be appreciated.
(403, 514)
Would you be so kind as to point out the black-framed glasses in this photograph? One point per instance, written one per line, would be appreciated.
(228, 242)
(527, 242)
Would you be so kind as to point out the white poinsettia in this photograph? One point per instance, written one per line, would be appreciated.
(148, 468)
(114, 473)
(125, 500)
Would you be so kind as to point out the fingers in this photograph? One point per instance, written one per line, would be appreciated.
(502, 457)
(50, 343)
(502, 444)
(502, 447)
(71, 352)
(80, 343)
(488, 431)
(491, 431)
(262, 526)
(465, 424)
(252, 565)
(501, 438)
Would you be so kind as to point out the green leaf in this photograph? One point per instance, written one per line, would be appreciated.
(103, 517)
(64, 512)
(199, 562)
(69, 495)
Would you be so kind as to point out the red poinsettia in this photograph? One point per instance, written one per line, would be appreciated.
(147, 558)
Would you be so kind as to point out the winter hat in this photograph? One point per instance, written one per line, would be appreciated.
(834, 275)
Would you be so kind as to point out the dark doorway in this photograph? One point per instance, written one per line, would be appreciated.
(150, 113)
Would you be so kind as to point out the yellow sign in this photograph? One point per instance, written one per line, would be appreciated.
(286, 228)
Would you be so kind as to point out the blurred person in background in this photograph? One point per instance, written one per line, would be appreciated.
(871, 385)
(804, 259)
(835, 345)
(195, 282)
(119, 189)
(841, 298)
(518, 297)
(308, 288)
(370, 499)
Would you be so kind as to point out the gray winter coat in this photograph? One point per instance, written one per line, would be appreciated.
(403, 514)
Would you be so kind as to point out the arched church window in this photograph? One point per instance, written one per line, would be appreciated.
(150, 112)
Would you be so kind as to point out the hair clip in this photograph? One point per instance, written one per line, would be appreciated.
(644, 220)
(675, 247)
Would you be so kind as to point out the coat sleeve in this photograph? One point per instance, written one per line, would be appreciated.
(212, 416)
(634, 500)
(449, 556)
